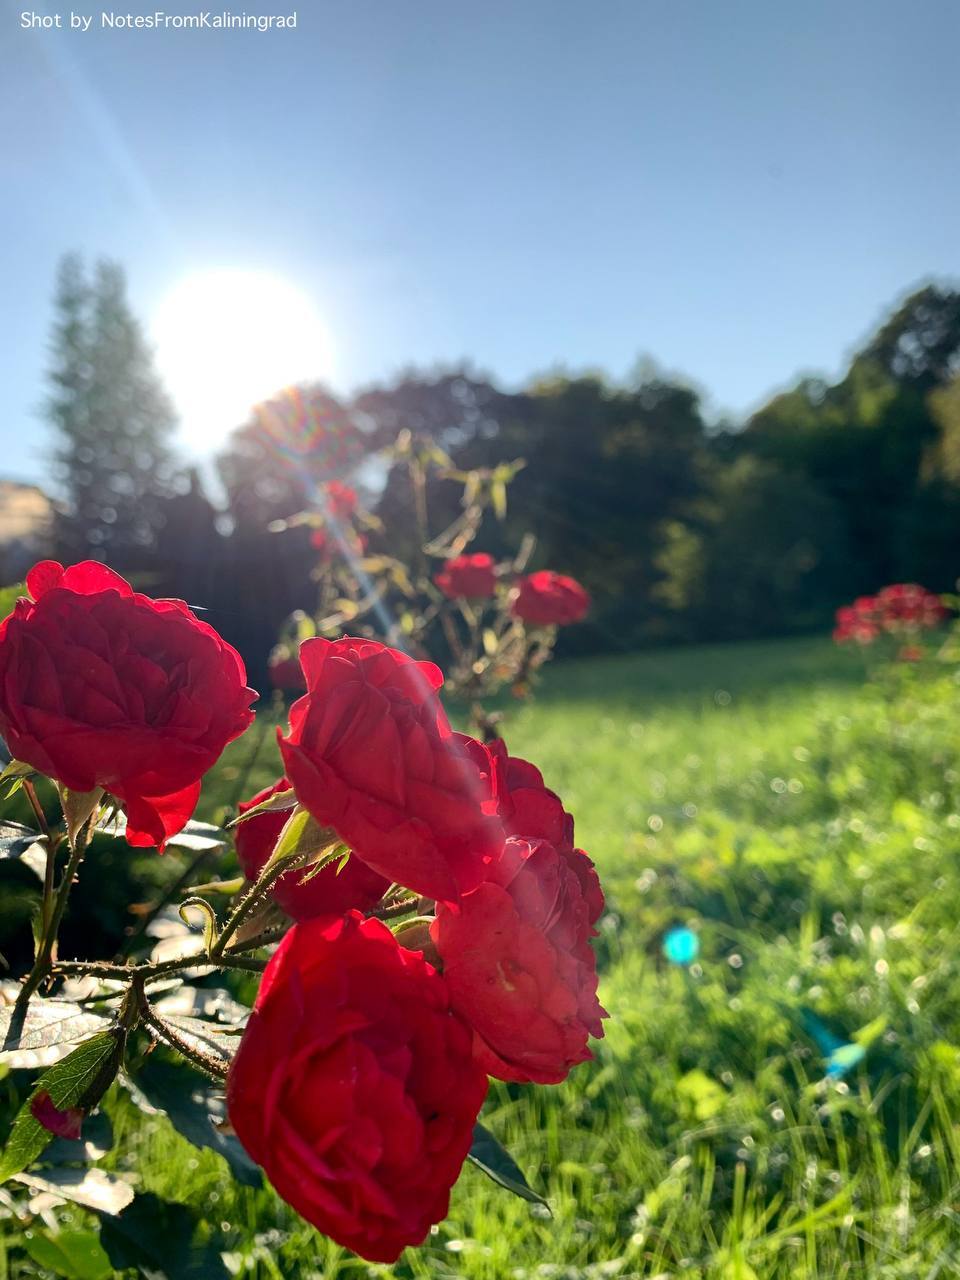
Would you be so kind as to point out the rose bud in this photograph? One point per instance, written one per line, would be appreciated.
(328, 892)
(103, 687)
(354, 1085)
(370, 753)
(547, 599)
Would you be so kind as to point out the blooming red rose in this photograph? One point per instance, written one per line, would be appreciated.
(471, 577)
(517, 960)
(341, 500)
(370, 753)
(548, 599)
(354, 1085)
(103, 687)
(329, 892)
(528, 808)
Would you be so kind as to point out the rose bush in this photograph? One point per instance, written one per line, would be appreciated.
(354, 1085)
(362, 1068)
(547, 599)
(331, 891)
(101, 686)
(370, 753)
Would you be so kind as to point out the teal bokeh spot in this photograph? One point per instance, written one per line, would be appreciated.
(681, 945)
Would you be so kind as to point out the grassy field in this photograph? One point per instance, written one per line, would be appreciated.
(806, 825)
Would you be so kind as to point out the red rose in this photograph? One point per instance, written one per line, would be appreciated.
(548, 599)
(529, 809)
(327, 893)
(370, 753)
(354, 1086)
(341, 500)
(103, 687)
(517, 960)
(285, 674)
(471, 577)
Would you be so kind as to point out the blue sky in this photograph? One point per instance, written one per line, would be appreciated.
(738, 190)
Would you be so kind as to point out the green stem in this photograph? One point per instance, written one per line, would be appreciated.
(42, 963)
(252, 899)
(208, 1065)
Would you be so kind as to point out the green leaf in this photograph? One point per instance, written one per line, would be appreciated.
(78, 1080)
(78, 1255)
(91, 1188)
(160, 1238)
(497, 1163)
(46, 1032)
(14, 773)
(282, 800)
(195, 1108)
(9, 597)
(303, 837)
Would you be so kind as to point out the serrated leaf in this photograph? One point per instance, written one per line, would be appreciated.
(160, 1238)
(77, 1255)
(195, 1108)
(47, 1032)
(497, 1163)
(78, 1080)
(92, 1188)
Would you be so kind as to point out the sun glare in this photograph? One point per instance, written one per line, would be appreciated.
(229, 339)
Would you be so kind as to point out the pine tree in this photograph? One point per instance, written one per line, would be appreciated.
(113, 419)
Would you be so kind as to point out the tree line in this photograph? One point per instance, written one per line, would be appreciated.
(680, 529)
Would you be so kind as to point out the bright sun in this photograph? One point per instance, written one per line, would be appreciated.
(229, 339)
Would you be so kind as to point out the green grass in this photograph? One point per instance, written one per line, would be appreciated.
(807, 824)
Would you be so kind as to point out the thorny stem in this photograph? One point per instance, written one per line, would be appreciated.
(42, 963)
(251, 899)
(155, 968)
(393, 910)
(208, 1065)
(30, 792)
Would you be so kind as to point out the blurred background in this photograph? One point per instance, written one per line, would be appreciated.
(696, 264)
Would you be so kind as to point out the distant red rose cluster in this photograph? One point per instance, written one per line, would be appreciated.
(543, 599)
(375, 1057)
(902, 610)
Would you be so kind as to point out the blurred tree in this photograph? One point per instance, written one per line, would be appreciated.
(761, 551)
(112, 417)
